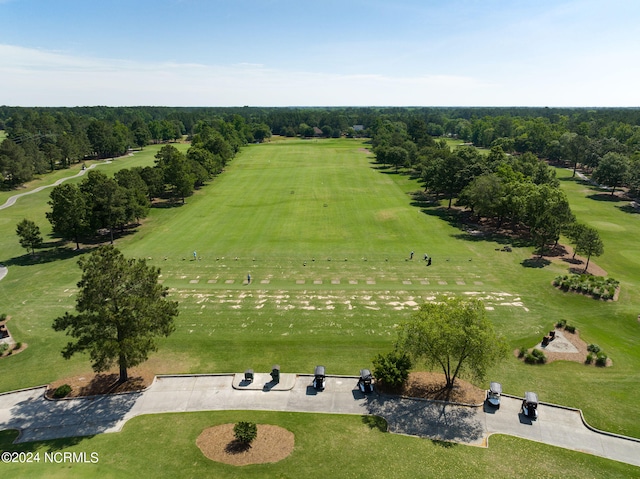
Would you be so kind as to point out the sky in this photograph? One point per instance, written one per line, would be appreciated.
(580, 53)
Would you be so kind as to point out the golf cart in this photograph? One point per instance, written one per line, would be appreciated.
(365, 383)
(493, 394)
(530, 405)
(319, 378)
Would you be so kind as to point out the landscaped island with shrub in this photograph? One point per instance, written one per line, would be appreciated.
(596, 286)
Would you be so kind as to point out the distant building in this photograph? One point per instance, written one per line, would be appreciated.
(317, 131)
(358, 128)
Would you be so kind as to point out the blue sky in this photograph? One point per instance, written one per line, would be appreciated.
(324, 53)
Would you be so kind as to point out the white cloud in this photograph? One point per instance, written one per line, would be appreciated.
(30, 77)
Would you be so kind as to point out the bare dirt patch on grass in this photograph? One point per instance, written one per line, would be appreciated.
(564, 254)
(272, 444)
(93, 384)
(429, 385)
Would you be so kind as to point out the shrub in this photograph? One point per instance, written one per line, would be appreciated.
(535, 357)
(589, 359)
(62, 391)
(561, 324)
(570, 329)
(595, 286)
(522, 352)
(539, 355)
(594, 348)
(17, 346)
(391, 369)
(601, 359)
(245, 432)
(3, 348)
(3, 316)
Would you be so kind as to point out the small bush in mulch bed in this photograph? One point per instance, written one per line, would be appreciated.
(597, 287)
(391, 369)
(589, 359)
(245, 432)
(601, 359)
(535, 357)
(62, 391)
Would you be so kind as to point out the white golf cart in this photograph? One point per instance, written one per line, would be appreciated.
(493, 394)
(530, 405)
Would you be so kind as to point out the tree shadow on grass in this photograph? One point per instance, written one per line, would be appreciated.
(629, 209)
(573, 260)
(9, 437)
(167, 204)
(605, 196)
(44, 256)
(420, 199)
(535, 262)
(470, 231)
(443, 444)
(376, 422)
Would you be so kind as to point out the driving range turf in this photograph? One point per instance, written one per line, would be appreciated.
(325, 234)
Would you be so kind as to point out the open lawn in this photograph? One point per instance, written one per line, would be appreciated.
(325, 235)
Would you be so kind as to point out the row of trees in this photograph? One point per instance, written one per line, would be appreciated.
(98, 203)
(103, 203)
(42, 140)
(515, 190)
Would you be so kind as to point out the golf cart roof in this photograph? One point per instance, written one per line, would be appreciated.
(365, 373)
(531, 398)
(495, 388)
(319, 371)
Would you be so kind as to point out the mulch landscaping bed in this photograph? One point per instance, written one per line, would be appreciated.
(428, 385)
(272, 444)
(104, 383)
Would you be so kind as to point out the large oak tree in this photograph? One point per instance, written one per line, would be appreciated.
(454, 335)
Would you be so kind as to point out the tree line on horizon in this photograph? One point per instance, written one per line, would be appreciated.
(604, 141)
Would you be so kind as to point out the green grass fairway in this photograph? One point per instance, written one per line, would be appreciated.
(165, 446)
(325, 235)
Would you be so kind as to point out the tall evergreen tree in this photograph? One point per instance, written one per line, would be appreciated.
(121, 311)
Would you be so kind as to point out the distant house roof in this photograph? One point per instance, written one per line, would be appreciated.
(358, 127)
(317, 130)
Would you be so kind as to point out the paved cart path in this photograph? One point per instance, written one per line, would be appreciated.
(12, 199)
(40, 419)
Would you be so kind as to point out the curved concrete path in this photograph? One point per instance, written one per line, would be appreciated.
(40, 419)
(12, 199)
